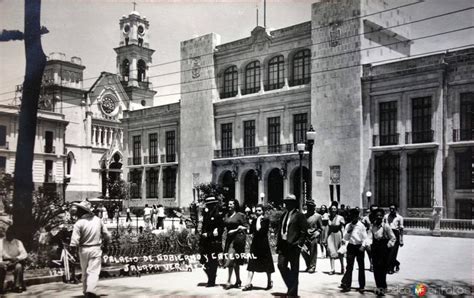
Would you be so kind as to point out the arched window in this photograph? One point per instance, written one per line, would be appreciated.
(276, 73)
(141, 67)
(301, 68)
(230, 82)
(125, 69)
(69, 161)
(252, 78)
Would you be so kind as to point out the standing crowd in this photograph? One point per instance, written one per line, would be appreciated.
(339, 232)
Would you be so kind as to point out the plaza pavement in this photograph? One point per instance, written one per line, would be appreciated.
(436, 262)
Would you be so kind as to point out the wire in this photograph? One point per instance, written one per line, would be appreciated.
(340, 68)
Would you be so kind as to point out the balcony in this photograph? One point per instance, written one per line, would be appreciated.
(274, 86)
(463, 135)
(250, 90)
(153, 159)
(228, 94)
(49, 149)
(385, 140)
(416, 137)
(136, 160)
(252, 151)
(301, 81)
(168, 158)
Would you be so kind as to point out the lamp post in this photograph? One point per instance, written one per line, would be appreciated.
(310, 136)
(300, 147)
(368, 194)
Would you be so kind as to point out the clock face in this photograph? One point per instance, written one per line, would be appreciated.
(126, 28)
(108, 104)
(141, 30)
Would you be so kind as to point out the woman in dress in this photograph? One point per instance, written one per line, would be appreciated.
(236, 226)
(325, 219)
(334, 238)
(260, 248)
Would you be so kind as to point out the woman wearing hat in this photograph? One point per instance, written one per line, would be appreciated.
(334, 237)
(236, 226)
(260, 248)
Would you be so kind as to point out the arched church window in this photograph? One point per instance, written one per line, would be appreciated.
(141, 67)
(125, 69)
(69, 161)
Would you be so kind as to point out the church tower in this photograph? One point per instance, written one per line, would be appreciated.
(134, 59)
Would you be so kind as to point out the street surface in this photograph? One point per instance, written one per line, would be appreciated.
(436, 262)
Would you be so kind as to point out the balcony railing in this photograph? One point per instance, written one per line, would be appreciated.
(49, 149)
(302, 81)
(250, 151)
(274, 86)
(136, 160)
(153, 159)
(250, 90)
(445, 224)
(145, 160)
(416, 137)
(385, 140)
(463, 135)
(168, 158)
(228, 94)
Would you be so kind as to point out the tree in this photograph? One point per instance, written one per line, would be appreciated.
(211, 190)
(118, 190)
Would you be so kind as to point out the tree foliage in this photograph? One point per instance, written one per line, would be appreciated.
(118, 190)
(211, 189)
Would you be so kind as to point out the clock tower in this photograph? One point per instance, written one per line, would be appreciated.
(134, 59)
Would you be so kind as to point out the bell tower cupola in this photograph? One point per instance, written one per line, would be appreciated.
(134, 58)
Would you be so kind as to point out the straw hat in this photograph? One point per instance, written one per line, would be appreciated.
(84, 205)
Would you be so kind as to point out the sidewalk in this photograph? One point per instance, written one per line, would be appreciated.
(437, 262)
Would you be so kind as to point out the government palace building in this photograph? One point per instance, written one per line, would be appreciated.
(389, 127)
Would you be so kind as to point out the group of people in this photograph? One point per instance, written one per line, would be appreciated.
(338, 232)
(154, 217)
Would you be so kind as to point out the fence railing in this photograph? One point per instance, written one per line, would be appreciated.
(445, 224)
(463, 135)
(271, 149)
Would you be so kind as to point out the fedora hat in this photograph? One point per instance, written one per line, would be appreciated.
(290, 197)
(210, 200)
(84, 205)
(310, 203)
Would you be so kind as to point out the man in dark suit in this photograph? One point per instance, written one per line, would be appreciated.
(291, 237)
(315, 226)
(211, 239)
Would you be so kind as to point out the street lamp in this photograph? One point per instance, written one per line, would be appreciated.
(310, 136)
(300, 147)
(368, 194)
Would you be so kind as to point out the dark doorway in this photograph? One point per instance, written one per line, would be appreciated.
(296, 183)
(251, 189)
(228, 184)
(275, 188)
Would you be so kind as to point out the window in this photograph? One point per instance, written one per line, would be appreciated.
(273, 134)
(226, 139)
(153, 147)
(169, 183)
(466, 132)
(421, 120)
(69, 160)
(388, 123)
(276, 73)
(465, 169)
(252, 78)
(420, 179)
(170, 146)
(136, 183)
(48, 176)
(301, 68)
(141, 69)
(300, 124)
(387, 179)
(48, 148)
(3, 163)
(249, 137)
(3, 135)
(137, 150)
(125, 69)
(152, 183)
(230, 82)
(464, 208)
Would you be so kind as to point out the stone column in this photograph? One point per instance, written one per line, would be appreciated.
(94, 131)
(99, 140)
(403, 184)
(261, 189)
(143, 186)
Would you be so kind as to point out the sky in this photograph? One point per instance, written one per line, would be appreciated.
(89, 29)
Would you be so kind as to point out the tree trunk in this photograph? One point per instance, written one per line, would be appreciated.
(35, 63)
